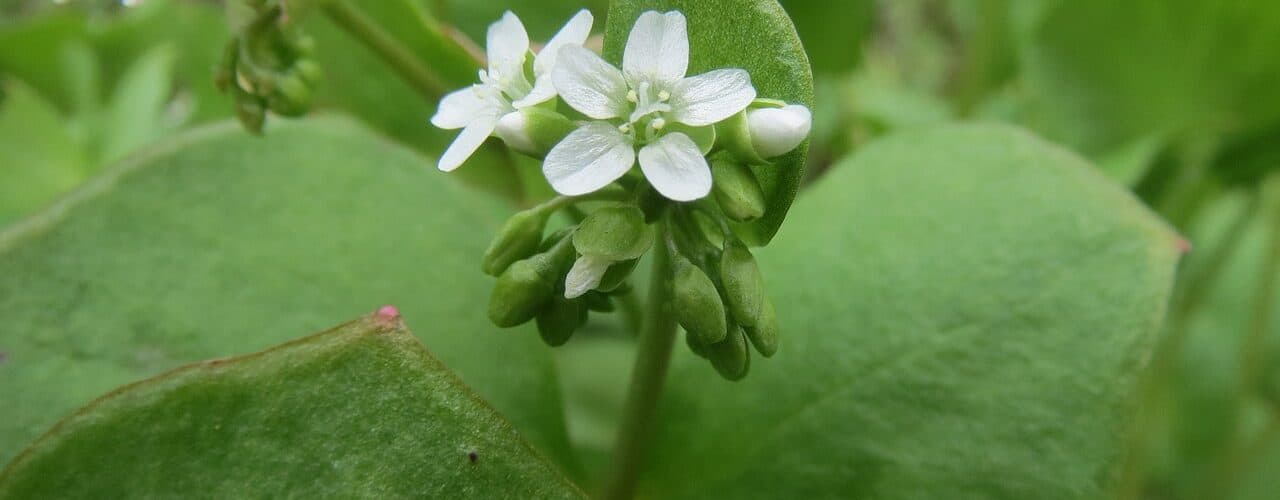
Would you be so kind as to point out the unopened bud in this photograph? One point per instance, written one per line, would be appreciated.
(559, 319)
(730, 356)
(617, 275)
(533, 131)
(737, 190)
(697, 304)
(614, 234)
(522, 291)
(694, 346)
(250, 109)
(777, 131)
(743, 285)
(764, 336)
(309, 71)
(291, 97)
(598, 302)
(518, 239)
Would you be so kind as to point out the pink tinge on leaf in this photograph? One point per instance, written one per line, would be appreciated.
(1184, 245)
(388, 313)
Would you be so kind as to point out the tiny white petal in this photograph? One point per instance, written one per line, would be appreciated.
(507, 44)
(575, 32)
(467, 143)
(543, 90)
(590, 84)
(513, 129)
(777, 131)
(459, 108)
(711, 97)
(658, 47)
(588, 159)
(585, 275)
(676, 168)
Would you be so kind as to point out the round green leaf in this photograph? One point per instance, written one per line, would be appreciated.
(964, 310)
(222, 242)
(360, 411)
(755, 35)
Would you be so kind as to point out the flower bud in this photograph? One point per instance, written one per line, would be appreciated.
(250, 110)
(764, 336)
(533, 131)
(743, 285)
(730, 356)
(310, 72)
(617, 275)
(291, 96)
(614, 233)
(698, 349)
(559, 319)
(777, 131)
(697, 304)
(522, 290)
(737, 190)
(518, 239)
(598, 302)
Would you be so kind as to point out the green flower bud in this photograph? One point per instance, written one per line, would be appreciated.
(617, 275)
(533, 131)
(730, 356)
(694, 346)
(734, 135)
(518, 239)
(250, 109)
(614, 233)
(291, 97)
(522, 290)
(697, 304)
(309, 71)
(737, 190)
(764, 336)
(598, 302)
(559, 319)
(225, 75)
(743, 285)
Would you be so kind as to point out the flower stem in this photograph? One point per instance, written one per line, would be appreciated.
(399, 57)
(653, 355)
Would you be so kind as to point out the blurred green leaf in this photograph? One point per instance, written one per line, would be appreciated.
(761, 40)
(541, 18)
(38, 158)
(832, 30)
(221, 242)
(135, 115)
(964, 313)
(362, 410)
(1105, 72)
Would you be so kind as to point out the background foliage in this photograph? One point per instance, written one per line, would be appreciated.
(163, 255)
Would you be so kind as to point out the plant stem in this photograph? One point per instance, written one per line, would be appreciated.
(399, 57)
(1255, 348)
(653, 355)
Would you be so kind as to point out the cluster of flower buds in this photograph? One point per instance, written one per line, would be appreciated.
(267, 66)
(699, 142)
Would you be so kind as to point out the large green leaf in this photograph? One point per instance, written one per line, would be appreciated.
(755, 35)
(1106, 72)
(964, 314)
(360, 411)
(222, 242)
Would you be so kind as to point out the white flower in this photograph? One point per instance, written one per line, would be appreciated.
(777, 131)
(504, 88)
(636, 108)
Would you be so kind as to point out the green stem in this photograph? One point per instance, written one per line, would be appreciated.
(653, 355)
(399, 57)
(1255, 348)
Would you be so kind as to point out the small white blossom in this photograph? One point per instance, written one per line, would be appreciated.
(777, 131)
(636, 107)
(505, 87)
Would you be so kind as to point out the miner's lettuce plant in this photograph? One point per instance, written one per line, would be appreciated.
(638, 301)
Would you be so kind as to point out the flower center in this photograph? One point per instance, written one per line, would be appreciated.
(649, 103)
(502, 87)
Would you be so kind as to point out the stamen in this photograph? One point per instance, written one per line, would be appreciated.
(664, 96)
(658, 123)
(632, 96)
(625, 128)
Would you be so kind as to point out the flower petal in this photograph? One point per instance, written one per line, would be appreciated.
(589, 84)
(507, 44)
(585, 275)
(467, 143)
(574, 32)
(459, 108)
(711, 97)
(588, 159)
(777, 131)
(658, 47)
(676, 168)
(543, 90)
